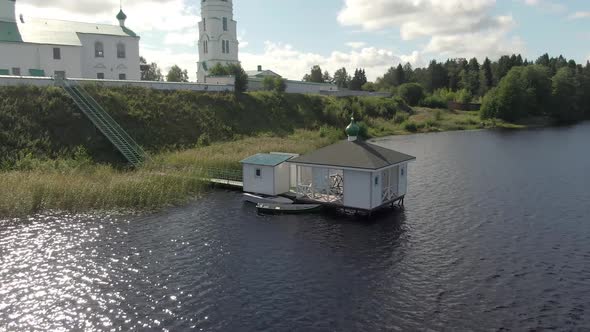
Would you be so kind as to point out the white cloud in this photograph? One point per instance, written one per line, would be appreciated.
(293, 64)
(185, 38)
(172, 15)
(579, 15)
(463, 28)
(167, 57)
(356, 45)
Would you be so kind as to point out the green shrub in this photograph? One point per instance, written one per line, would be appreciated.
(410, 126)
(438, 115)
(400, 118)
(412, 93)
(433, 101)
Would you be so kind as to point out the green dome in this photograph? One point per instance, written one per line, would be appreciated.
(121, 15)
(353, 129)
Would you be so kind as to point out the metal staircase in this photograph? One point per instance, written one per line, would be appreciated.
(104, 122)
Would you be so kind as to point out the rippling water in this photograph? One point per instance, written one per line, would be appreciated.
(495, 235)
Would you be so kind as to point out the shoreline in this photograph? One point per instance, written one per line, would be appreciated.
(174, 178)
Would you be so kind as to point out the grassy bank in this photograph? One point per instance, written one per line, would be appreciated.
(171, 178)
(51, 158)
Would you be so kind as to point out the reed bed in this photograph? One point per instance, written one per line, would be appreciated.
(168, 179)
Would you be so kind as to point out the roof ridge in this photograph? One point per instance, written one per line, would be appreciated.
(70, 21)
(372, 150)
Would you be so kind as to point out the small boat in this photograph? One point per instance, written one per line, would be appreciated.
(258, 199)
(288, 208)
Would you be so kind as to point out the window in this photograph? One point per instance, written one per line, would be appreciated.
(403, 171)
(57, 53)
(376, 180)
(204, 24)
(98, 50)
(100, 76)
(205, 47)
(258, 172)
(225, 46)
(121, 51)
(122, 77)
(225, 24)
(59, 74)
(16, 71)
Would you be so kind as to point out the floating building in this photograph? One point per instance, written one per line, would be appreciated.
(351, 174)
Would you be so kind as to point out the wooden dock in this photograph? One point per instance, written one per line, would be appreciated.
(226, 182)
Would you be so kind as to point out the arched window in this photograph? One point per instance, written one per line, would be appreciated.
(121, 51)
(98, 50)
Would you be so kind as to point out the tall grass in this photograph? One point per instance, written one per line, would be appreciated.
(171, 178)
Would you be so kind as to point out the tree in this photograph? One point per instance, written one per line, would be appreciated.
(486, 77)
(268, 83)
(436, 77)
(326, 77)
(150, 72)
(369, 86)
(408, 72)
(277, 84)
(341, 78)
(315, 76)
(235, 70)
(412, 93)
(565, 93)
(399, 75)
(176, 74)
(359, 79)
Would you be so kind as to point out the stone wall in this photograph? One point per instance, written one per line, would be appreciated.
(46, 81)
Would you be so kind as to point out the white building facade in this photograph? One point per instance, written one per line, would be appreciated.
(218, 39)
(41, 47)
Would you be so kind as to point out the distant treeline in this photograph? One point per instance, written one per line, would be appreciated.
(510, 88)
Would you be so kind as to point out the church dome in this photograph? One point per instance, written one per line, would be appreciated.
(353, 129)
(121, 15)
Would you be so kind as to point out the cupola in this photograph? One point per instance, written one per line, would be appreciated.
(352, 130)
(121, 17)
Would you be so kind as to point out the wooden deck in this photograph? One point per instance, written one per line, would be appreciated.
(230, 183)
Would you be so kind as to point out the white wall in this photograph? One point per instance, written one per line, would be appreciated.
(403, 180)
(376, 190)
(38, 56)
(255, 84)
(110, 65)
(265, 184)
(357, 189)
(282, 179)
(45, 81)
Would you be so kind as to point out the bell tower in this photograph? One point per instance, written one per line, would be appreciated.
(7, 10)
(218, 40)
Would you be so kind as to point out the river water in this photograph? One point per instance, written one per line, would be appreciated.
(495, 236)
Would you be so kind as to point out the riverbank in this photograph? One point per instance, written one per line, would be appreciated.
(171, 178)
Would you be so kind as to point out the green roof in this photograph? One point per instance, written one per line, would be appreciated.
(266, 159)
(56, 32)
(121, 15)
(4, 72)
(355, 154)
(9, 32)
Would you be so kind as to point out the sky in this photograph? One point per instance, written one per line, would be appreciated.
(289, 37)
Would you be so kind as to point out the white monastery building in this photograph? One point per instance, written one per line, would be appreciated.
(42, 47)
(218, 39)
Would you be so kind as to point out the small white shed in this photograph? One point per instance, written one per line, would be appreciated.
(267, 173)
